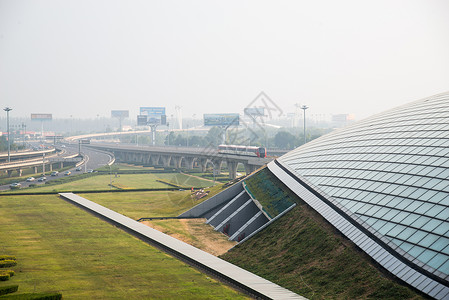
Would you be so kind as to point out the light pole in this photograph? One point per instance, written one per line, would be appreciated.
(8, 109)
(304, 108)
(24, 129)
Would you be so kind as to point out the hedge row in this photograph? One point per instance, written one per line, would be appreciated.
(10, 272)
(35, 296)
(8, 257)
(7, 263)
(7, 289)
(6, 274)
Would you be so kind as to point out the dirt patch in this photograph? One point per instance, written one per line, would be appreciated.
(194, 232)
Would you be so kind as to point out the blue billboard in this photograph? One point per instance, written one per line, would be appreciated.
(155, 115)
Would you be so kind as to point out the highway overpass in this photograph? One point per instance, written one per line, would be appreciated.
(182, 157)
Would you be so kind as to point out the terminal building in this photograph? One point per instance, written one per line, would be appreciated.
(382, 182)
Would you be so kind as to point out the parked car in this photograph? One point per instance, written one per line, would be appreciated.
(90, 171)
(41, 179)
(78, 168)
(15, 185)
(30, 179)
(67, 173)
(54, 173)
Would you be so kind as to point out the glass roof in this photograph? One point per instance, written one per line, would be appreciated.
(391, 171)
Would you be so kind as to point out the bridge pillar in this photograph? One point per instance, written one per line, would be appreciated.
(50, 166)
(189, 162)
(217, 165)
(35, 170)
(146, 159)
(19, 172)
(232, 168)
(202, 163)
(154, 158)
(61, 165)
(166, 160)
(9, 173)
(250, 168)
(122, 156)
(177, 161)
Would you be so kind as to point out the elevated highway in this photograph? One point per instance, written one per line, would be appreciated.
(35, 159)
(182, 157)
(25, 155)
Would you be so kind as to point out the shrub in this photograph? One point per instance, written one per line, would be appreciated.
(10, 272)
(8, 289)
(4, 276)
(9, 257)
(7, 263)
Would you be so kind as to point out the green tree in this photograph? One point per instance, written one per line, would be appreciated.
(284, 140)
(214, 136)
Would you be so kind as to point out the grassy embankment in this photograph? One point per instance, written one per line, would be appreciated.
(305, 254)
(167, 204)
(63, 248)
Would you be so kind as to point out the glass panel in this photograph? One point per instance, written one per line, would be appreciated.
(426, 256)
(415, 251)
(440, 244)
(428, 240)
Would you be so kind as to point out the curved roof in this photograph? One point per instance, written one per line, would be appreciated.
(389, 173)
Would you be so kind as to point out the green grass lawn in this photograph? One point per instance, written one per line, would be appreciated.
(60, 247)
(126, 167)
(121, 181)
(138, 205)
(145, 204)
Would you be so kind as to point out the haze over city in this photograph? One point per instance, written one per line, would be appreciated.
(86, 58)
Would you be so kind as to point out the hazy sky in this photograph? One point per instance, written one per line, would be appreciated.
(86, 58)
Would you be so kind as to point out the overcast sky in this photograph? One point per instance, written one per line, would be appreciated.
(85, 58)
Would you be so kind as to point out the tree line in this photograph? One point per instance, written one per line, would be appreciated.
(283, 138)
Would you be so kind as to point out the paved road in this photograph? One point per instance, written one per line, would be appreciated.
(94, 160)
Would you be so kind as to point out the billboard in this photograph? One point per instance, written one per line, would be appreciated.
(255, 111)
(142, 120)
(41, 117)
(120, 114)
(154, 115)
(221, 119)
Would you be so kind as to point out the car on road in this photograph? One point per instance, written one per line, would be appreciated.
(67, 173)
(41, 179)
(54, 173)
(90, 171)
(78, 169)
(15, 185)
(30, 179)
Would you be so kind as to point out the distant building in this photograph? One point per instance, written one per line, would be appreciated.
(342, 120)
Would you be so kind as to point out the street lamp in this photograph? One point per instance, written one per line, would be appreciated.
(304, 108)
(8, 109)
